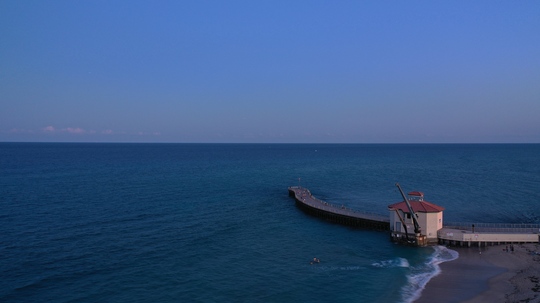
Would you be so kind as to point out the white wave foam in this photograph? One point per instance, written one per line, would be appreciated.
(398, 262)
(419, 277)
(403, 262)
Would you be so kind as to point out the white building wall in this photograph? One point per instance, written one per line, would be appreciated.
(433, 224)
(396, 225)
(429, 223)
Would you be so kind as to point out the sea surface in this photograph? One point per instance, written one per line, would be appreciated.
(214, 222)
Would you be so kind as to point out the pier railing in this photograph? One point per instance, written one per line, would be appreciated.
(338, 209)
(495, 227)
(349, 211)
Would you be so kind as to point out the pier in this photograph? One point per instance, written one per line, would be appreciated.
(337, 214)
(485, 234)
(456, 234)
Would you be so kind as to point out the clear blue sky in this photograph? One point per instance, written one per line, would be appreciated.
(270, 71)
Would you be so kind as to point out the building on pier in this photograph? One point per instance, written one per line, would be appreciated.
(429, 218)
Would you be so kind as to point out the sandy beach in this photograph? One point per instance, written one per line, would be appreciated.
(489, 274)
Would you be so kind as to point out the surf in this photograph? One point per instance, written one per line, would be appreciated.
(420, 275)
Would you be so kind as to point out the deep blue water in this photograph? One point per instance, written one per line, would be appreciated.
(214, 222)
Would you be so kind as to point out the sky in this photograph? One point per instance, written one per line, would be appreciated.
(270, 71)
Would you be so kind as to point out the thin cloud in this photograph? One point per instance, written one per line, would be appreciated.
(50, 129)
(18, 131)
(75, 130)
(149, 133)
(71, 130)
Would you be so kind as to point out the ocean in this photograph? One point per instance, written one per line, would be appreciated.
(85, 222)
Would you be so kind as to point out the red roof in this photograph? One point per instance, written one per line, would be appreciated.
(417, 206)
(416, 193)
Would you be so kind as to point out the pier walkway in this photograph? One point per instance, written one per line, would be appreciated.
(458, 234)
(337, 214)
(484, 234)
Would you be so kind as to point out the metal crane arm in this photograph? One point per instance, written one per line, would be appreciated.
(413, 214)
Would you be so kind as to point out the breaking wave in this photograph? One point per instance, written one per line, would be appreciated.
(398, 262)
(420, 276)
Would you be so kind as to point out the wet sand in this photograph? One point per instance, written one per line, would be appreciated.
(493, 275)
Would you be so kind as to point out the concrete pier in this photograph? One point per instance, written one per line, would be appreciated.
(463, 234)
(337, 214)
(461, 237)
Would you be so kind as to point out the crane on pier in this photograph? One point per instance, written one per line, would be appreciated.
(413, 214)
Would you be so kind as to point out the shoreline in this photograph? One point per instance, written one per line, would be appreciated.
(489, 274)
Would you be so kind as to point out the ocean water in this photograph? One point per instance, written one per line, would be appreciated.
(214, 222)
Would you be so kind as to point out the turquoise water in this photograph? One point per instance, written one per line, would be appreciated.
(214, 222)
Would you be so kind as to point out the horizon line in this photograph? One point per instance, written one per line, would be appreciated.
(276, 143)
